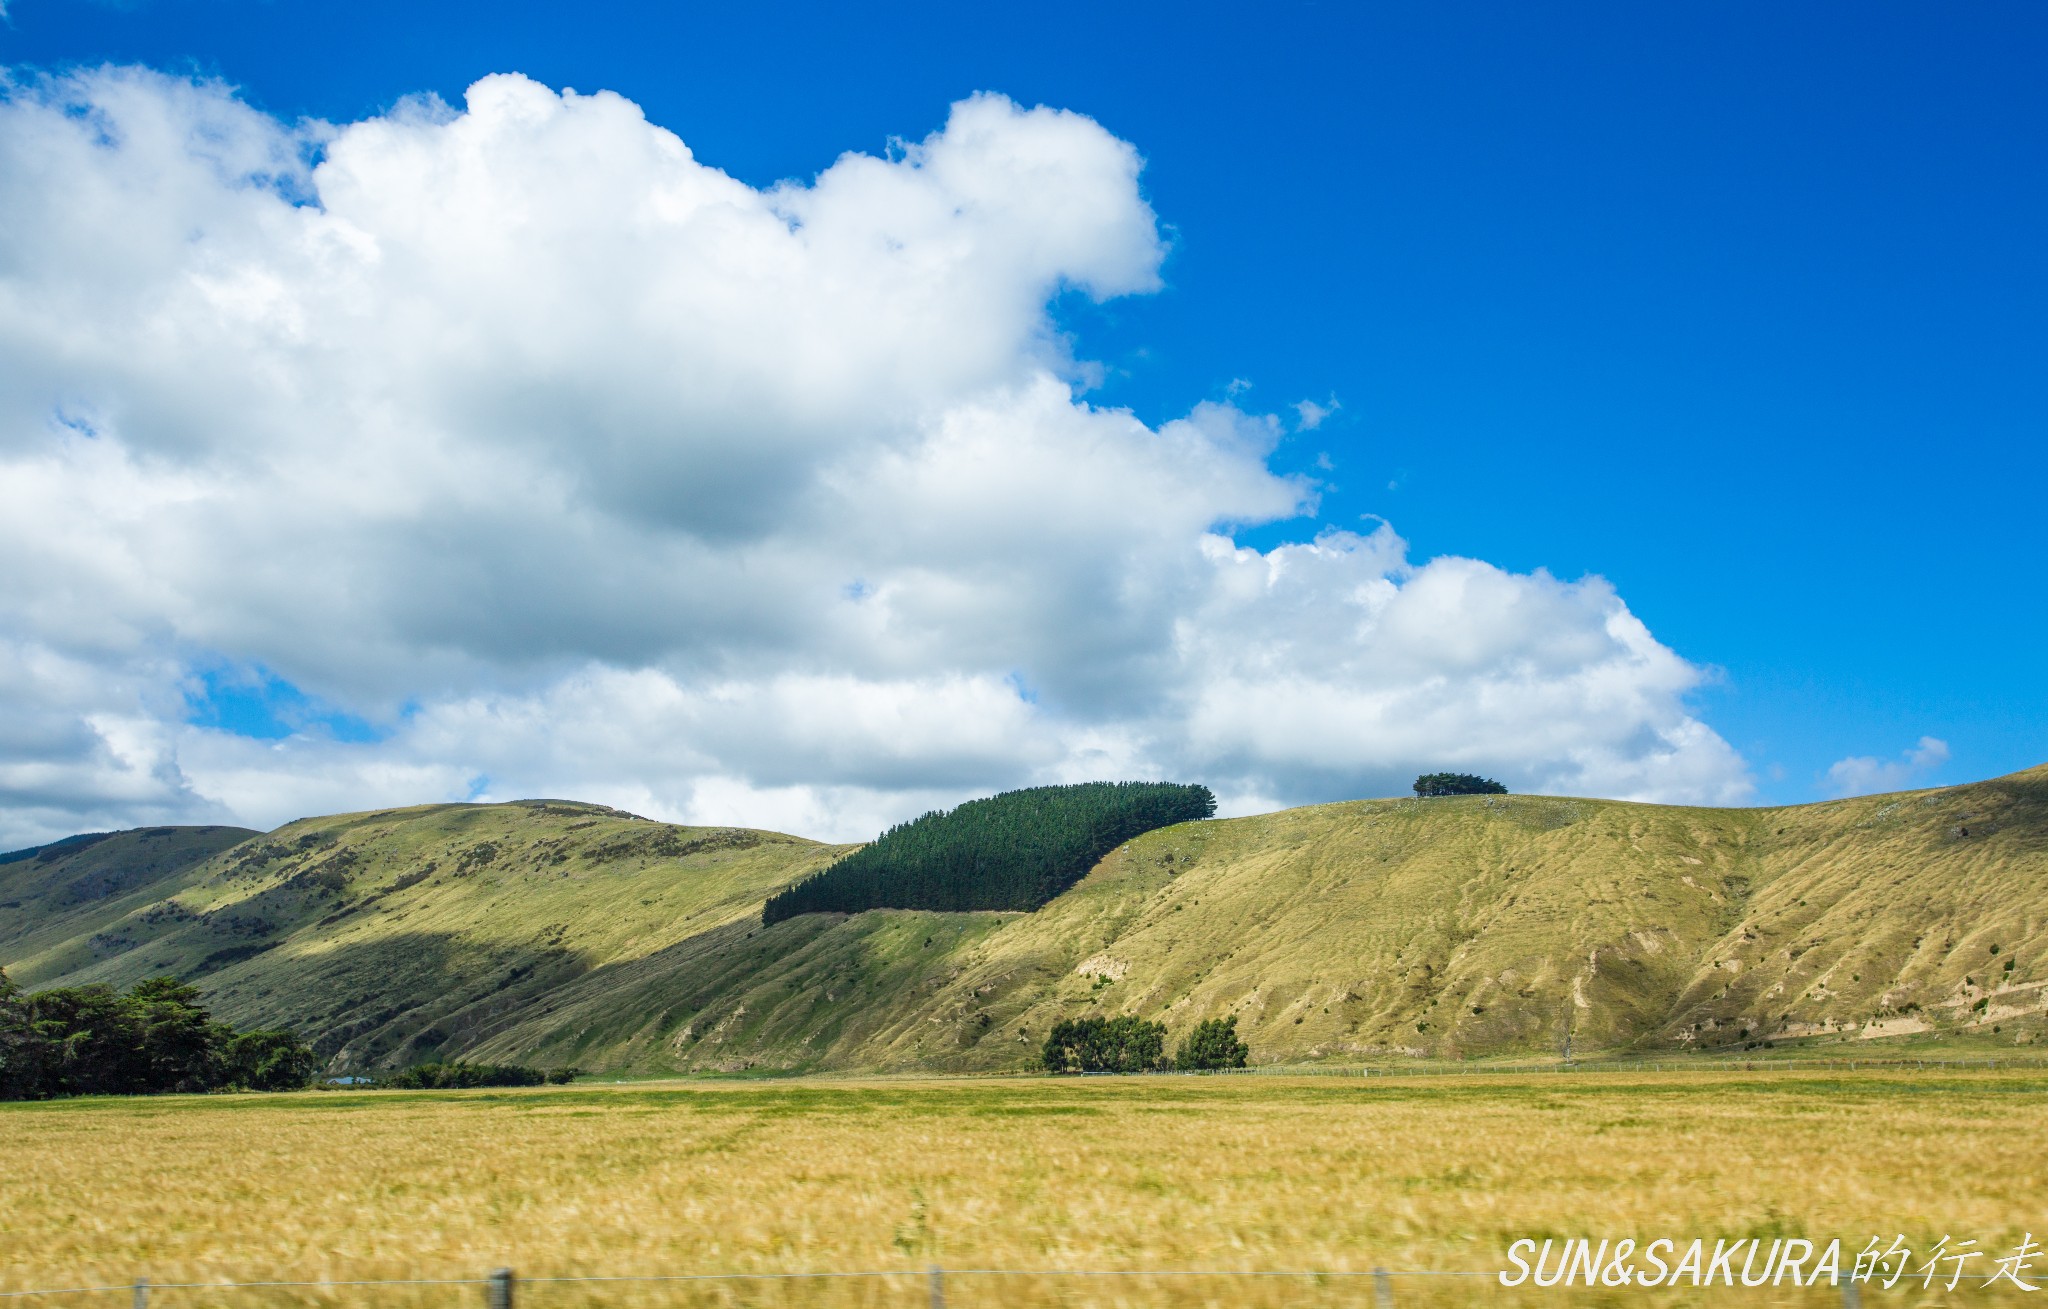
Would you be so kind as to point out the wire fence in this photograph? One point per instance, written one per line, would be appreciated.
(938, 1287)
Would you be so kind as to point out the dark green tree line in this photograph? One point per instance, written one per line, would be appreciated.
(1129, 1044)
(154, 1038)
(1457, 784)
(457, 1075)
(1016, 850)
(1125, 1044)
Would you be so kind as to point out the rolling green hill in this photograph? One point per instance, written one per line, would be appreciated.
(550, 932)
(394, 936)
(55, 893)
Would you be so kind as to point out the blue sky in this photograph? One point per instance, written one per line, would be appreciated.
(1740, 307)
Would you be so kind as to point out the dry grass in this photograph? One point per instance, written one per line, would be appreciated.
(1151, 1173)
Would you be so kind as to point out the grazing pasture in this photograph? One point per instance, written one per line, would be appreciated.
(1125, 1174)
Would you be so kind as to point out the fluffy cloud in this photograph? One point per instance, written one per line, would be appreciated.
(576, 466)
(1313, 415)
(1868, 775)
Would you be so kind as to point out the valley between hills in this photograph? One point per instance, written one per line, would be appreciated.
(1474, 927)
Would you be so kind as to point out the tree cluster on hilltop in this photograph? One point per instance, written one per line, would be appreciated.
(1129, 1044)
(1016, 850)
(154, 1038)
(1457, 784)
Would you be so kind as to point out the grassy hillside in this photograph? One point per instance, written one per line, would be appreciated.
(1451, 927)
(55, 893)
(394, 936)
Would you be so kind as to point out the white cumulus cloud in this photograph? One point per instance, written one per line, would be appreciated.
(1868, 775)
(574, 466)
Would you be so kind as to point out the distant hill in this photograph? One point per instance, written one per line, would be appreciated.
(398, 935)
(1468, 926)
(50, 893)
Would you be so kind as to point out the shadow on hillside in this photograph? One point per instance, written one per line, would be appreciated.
(2029, 789)
(399, 1000)
(800, 994)
(689, 987)
(81, 885)
(411, 997)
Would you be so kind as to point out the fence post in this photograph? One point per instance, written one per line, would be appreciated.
(498, 1289)
(1852, 1297)
(142, 1293)
(937, 1281)
(1382, 1289)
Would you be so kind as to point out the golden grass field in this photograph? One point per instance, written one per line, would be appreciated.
(1338, 1174)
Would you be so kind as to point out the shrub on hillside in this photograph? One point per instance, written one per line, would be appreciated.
(458, 1075)
(1213, 1044)
(1105, 1045)
(1457, 784)
(1016, 850)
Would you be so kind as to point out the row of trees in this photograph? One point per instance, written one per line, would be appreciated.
(1128, 1044)
(458, 1075)
(157, 1038)
(1457, 784)
(153, 1038)
(1016, 850)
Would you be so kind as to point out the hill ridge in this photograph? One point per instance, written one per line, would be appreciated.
(556, 931)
